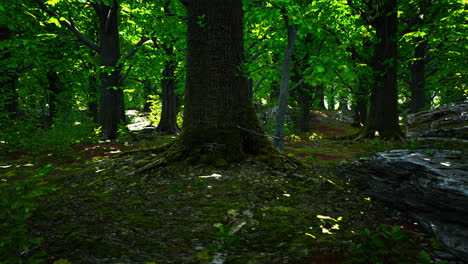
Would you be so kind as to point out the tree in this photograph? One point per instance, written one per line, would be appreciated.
(9, 77)
(220, 125)
(111, 103)
(383, 115)
(278, 141)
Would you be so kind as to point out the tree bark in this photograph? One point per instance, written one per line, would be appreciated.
(383, 114)
(418, 77)
(168, 122)
(220, 123)
(111, 103)
(361, 103)
(278, 141)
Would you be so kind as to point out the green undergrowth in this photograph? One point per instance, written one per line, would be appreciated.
(105, 211)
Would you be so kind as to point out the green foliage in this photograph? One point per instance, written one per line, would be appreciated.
(413, 144)
(17, 203)
(124, 132)
(155, 109)
(34, 138)
(376, 145)
(224, 238)
(385, 245)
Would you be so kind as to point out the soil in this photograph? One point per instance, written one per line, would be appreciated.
(299, 211)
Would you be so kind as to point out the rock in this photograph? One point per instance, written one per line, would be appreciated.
(430, 186)
(447, 121)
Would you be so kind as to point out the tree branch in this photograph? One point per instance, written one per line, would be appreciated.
(133, 50)
(307, 72)
(70, 25)
(256, 55)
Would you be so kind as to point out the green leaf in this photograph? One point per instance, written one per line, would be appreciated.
(52, 2)
(319, 69)
(54, 20)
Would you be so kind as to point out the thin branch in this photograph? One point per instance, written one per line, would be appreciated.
(307, 72)
(257, 85)
(71, 26)
(124, 76)
(133, 50)
(256, 55)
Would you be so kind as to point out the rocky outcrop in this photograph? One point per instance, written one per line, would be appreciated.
(430, 185)
(446, 122)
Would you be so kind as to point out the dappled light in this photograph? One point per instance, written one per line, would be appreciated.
(233, 132)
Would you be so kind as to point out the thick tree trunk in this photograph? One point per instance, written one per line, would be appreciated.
(418, 77)
(220, 124)
(278, 141)
(383, 114)
(111, 103)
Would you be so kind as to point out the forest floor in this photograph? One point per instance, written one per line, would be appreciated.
(300, 212)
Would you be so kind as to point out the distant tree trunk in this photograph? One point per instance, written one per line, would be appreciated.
(8, 78)
(93, 97)
(220, 123)
(343, 103)
(361, 103)
(278, 141)
(168, 122)
(331, 98)
(319, 98)
(54, 90)
(147, 91)
(418, 77)
(383, 114)
(111, 103)
(305, 103)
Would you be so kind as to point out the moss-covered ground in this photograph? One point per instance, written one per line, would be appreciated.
(299, 211)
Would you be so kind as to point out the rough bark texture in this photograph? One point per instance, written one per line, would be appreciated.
(111, 103)
(278, 141)
(383, 114)
(220, 124)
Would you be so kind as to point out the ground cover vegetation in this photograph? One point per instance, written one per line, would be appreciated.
(247, 107)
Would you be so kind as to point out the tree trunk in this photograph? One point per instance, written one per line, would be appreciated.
(278, 141)
(360, 106)
(111, 103)
(168, 122)
(305, 103)
(383, 114)
(220, 123)
(53, 92)
(418, 77)
(93, 97)
(319, 98)
(8, 78)
(343, 103)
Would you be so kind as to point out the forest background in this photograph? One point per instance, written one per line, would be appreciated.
(69, 71)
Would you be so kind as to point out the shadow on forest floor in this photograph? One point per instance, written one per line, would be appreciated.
(297, 212)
